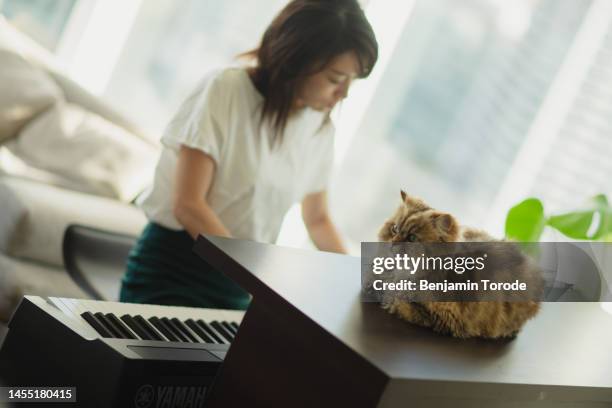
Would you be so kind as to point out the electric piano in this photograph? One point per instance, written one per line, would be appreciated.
(117, 354)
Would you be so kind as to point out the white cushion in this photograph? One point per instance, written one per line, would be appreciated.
(90, 153)
(13, 166)
(26, 91)
(12, 212)
(14, 40)
(49, 212)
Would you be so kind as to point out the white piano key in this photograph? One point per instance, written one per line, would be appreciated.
(73, 308)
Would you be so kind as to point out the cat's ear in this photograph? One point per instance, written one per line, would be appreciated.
(445, 222)
(412, 202)
(406, 199)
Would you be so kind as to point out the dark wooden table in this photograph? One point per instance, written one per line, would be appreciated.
(308, 340)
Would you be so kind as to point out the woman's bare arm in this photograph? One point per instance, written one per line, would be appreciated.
(320, 227)
(194, 176)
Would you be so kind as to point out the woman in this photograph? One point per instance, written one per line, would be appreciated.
(244, 147)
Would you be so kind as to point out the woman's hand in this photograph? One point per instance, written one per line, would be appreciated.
(195, 171)
(320, 227)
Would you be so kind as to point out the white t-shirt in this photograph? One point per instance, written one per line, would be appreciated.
(255, 183)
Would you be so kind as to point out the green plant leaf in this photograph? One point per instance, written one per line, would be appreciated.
(525, 221)
(574, 225)
(577, 224)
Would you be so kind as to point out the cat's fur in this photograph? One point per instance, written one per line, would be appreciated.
(415, 221)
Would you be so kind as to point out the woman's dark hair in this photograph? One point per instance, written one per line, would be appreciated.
(301, 40)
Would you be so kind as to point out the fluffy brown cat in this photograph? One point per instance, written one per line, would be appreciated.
(415, 221)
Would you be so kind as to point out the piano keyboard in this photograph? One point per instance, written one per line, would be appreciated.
(122, 348)
(150, 322)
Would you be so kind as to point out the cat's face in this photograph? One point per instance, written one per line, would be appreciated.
(415, 221)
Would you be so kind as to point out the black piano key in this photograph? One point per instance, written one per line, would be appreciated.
(235, 326)
(181, 326)
(147, 326)
(211, 332)
(99, 327)
(127, 333)
(174, 330)
(222, 330)
(136, 327)
(197, 330)
(109, 325)
(230, 328)
(161, 326)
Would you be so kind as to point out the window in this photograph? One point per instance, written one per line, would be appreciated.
(454, 107)
(577, 165)
(43, 20)
(173, 44)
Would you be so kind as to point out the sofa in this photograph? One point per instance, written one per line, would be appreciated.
(66, 157)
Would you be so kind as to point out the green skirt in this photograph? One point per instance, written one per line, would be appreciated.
(163, 269)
